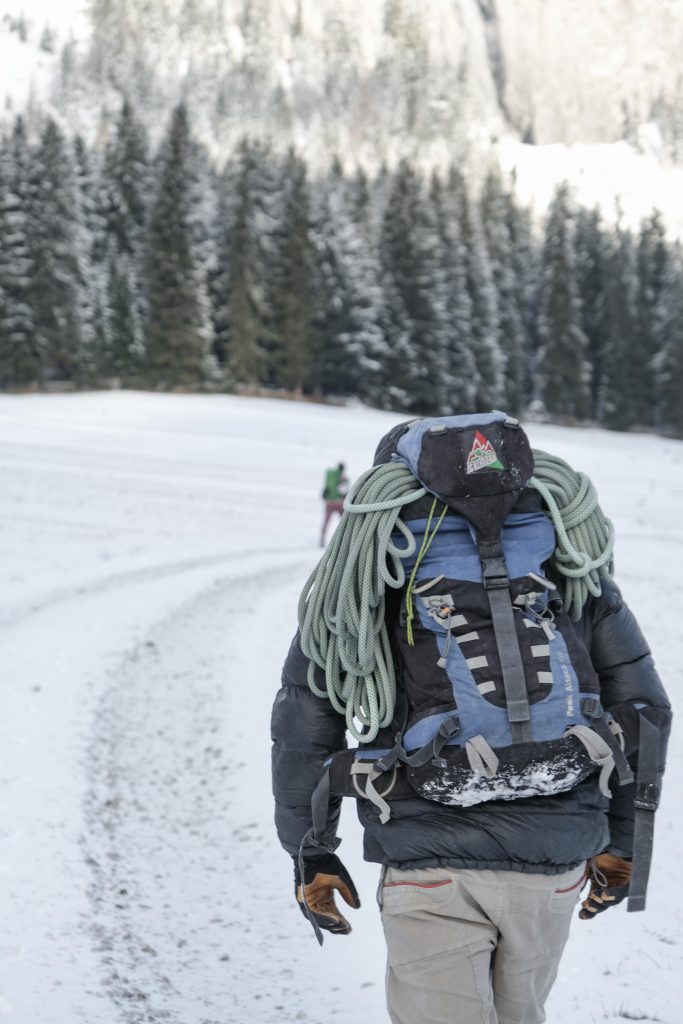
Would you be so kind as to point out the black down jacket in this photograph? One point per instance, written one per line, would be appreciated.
(545, 835)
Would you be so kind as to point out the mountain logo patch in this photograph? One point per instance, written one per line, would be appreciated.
(482, 455)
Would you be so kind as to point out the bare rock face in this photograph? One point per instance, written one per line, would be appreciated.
(585, 70)
(378, 78)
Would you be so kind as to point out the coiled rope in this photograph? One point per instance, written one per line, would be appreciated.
(585, 536)
(341, 609)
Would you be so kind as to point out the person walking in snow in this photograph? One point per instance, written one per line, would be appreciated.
(484, 845)
(334, 492)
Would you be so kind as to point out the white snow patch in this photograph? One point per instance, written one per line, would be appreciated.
(625, 183)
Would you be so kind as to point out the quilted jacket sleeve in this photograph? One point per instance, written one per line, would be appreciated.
(630, 687)
(305, 730)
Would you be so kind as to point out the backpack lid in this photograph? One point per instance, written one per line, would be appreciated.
(477, 464)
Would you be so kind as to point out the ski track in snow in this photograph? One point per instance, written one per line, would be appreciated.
(151, 598)
(175, 921)
(102, 584)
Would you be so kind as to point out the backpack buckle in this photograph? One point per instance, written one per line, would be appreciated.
(371, 772)
(494, 573)
(647, 796)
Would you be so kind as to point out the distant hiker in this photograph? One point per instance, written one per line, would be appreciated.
(334, 492)
(464, 627)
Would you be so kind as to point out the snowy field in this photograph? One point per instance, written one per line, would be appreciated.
(153, 548)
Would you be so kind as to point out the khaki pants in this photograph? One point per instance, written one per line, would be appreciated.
(474, 947)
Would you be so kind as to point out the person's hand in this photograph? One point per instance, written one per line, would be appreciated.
(609, 877)
(322, 877)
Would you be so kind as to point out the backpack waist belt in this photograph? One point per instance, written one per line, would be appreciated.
(467, 775)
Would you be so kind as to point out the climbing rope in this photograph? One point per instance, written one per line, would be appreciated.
(341, 609)
(585, 536)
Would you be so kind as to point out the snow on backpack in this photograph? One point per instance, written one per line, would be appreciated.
(498, 698)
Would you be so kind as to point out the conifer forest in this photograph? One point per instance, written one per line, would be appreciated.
(423, 292)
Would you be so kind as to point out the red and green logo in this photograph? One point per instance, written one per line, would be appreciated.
(482, 455)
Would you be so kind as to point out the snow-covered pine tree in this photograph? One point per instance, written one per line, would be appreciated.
(563, 372)
(22, 358)
(651, 264)
(123, 355)
(86, 167)
(495, 203)
(621, 312)
(635, 288)
(348, 340)
(668, 361)
(526, 265)
(458, 376)
(218, 273)
(485, 340)
(365, 284)
(336, 353)
(88, 229)
(125, 184)
(122, 207)
(293, 306)
(177, 333)
(414, 363)
(590, 244)
(249, 199)
(57, 279)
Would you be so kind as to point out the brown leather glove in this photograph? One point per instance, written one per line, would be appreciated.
(610, 877)
(322, 878)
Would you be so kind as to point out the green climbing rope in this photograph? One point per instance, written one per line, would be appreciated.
(341, 609)
(585, 536)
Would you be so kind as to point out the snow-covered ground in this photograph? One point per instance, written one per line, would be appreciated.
(624, 182)
(153, 548)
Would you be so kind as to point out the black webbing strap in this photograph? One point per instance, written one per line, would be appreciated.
(320, 810)
(645, 803)
(621, 765)
(304, 902)
(320, 805)
(387, 761)
(449, 728)
(497, 584)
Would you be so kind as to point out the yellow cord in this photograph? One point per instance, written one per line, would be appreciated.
(424, 548)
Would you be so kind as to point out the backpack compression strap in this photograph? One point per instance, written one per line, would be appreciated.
(497, 585)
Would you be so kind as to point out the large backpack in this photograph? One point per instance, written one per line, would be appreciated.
(500, 699)
(483, 689)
